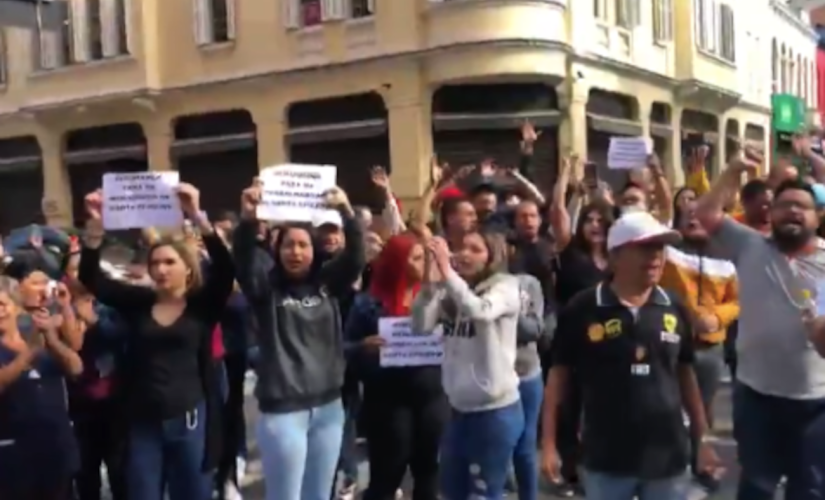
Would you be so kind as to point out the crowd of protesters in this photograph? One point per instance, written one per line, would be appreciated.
(585, 332)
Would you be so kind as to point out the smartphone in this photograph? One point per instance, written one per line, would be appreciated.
(591, 174)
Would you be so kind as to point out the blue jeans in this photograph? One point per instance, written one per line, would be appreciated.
(525, 456)
(600, 486)
(299, 451)
(169, 454)
(779, 437)
(477, 451)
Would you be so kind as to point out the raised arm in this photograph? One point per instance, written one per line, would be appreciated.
(391, 215)
(342, 271)
(560, 220)
(426, 307)
(123, 297)
(220, 277)
(252, 262)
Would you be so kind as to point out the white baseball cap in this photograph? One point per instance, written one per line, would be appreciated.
(639, 227)
(327, 217)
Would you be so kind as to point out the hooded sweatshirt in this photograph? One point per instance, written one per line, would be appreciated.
(478, 372)
(300, 341)
(530, 327)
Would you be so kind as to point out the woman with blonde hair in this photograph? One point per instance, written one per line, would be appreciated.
(172, 406)
(478, 304)
(38, 452)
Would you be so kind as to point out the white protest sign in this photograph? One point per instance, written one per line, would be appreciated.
(138, 200)
(295, 192)
(405, 348)
(625, 153)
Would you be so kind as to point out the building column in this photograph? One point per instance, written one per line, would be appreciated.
(159, 139)
(573, 130)
(411, 141)
(57, 189)
(271, 137)
(672, 162)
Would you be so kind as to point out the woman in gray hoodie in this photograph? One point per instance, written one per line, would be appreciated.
(478, 306)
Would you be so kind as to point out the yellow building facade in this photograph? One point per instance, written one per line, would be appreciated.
(221, 89)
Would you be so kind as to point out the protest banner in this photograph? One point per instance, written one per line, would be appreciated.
(293, 192)
(405, 348)
(138, 200)
(627, 153)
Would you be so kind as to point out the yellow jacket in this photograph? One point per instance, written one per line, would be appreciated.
(706, 286)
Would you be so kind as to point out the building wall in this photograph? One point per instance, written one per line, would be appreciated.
(793, 53)
(404, 52)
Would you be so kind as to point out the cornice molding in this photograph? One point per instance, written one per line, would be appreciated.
(782, 9)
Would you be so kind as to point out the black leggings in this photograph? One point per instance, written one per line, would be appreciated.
(403, 431)
(100, 439)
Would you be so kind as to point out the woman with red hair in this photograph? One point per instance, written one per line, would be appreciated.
(404, 408)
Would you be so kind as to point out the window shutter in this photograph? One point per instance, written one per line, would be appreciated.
(49, 49)
(332, 10)
(371, 6)
(110, 27)
(635, 12)
(80, 31)
(667, 20)
(127, 26)
(230, 19)
(202, 18)
(291, 12)
(728, 32)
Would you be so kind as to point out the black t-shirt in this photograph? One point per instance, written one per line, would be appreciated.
(537, 260)
(576, 272)
(627, 363)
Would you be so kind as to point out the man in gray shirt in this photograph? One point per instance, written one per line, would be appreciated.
(780, 389)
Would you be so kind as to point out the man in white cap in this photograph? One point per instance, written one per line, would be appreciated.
(329, 225)
(631, 344)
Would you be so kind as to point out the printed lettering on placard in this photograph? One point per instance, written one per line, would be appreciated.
(138, 200)
(404, 347)
(295, 192)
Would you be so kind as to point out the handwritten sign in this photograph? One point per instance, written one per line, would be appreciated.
(405, 348)
(295, 192)
(137, 200)
(626, 153)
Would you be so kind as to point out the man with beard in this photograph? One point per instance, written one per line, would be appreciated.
(780, 386)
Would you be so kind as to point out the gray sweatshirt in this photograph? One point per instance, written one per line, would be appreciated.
(478, 372)
(530, 327)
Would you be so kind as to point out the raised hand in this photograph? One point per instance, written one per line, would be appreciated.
(190, 200)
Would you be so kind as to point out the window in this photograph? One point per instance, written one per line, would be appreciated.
(714, 29)
(311, 12)
(663, 20)
(214, 21)
(362, 8)
(627, 13)
(600, 10)
(95, 27)
(728, 34)
(54, 47)
(3, 56)
(775, 67)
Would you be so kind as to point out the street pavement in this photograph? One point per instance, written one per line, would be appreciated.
(253, 483)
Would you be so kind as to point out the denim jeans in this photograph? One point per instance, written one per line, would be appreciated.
(601, 486)
(525, 456)
(169, 455)
(778, 437)
(299, 451)
(477, 451)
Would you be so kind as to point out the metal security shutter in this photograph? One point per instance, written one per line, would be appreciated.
(354, 159)
(220, 177)
(21, 195)
(465, 147)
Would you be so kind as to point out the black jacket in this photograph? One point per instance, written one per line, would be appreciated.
(300, 332)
